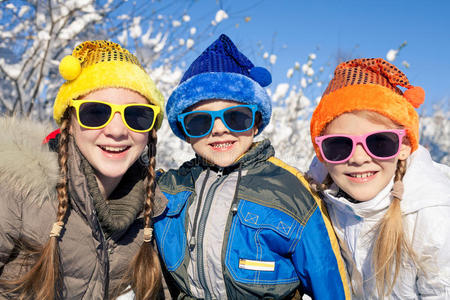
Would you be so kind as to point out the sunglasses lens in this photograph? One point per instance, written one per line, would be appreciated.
(383, 144)
(337, 148)
(239, 118)
(139, 117)
(94, 114)
(197, 124)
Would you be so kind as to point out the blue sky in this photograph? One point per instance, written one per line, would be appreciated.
(293, 29)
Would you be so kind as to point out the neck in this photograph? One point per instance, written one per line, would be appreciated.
(107, 184)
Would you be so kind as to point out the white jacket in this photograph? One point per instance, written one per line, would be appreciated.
(426, 217)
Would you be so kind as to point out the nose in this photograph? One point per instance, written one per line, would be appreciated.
(360, 156)
(219, 128)
(116, 128)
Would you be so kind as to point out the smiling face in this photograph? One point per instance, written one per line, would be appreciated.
(363, 177)
(221, 146)
(113, 149)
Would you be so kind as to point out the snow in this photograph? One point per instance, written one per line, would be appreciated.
(220, 16)
(280, 91)
(273, 59)
(303, 82)
(23, 10)
(289, 73)
(136, 30)
(11, 6)
(391, 55)
(12, 70)
(186, 18)
(176, 23)
(189, 43)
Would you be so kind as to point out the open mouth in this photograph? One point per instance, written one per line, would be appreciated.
(114, 150)
(361, 177)
(222, 145)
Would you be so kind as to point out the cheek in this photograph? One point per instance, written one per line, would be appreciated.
(84, 138)
(390, 167)
(196, 145)
(331, 168)
(140, 139)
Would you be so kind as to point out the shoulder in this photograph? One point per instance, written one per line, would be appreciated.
(426, 183)
(28, 169)
(174, 180)
(281, 186)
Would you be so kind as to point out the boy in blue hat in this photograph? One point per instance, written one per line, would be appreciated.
(240, 224)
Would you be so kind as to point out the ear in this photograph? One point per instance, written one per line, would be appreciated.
(255, 130)
(405, 152)
(258, 121)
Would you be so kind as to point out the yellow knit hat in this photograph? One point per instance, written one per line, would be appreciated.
(102, 64)
(369, 84)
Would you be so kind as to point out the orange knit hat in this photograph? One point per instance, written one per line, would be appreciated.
(369, 84)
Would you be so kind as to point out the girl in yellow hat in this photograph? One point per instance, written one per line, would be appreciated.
(388, 201)
(75, 218)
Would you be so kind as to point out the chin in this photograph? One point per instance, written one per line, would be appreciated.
(112, 171)
(361, 196)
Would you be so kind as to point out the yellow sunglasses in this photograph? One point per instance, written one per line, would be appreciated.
(94, 114)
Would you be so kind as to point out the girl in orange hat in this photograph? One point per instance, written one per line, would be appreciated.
(75, 217)
(388, 201)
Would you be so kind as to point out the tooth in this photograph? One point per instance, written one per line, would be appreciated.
(114, 149)
(362, 175)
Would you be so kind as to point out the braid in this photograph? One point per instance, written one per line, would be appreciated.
(151, 178)
(61, 187)
(44, 279)
(317, 186)
(144, 273)
(390, 245)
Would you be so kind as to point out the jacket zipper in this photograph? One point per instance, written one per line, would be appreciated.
(201, 232)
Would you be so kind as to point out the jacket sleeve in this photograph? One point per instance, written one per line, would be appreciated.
(431, 245)
(10, 225)
(317, 260)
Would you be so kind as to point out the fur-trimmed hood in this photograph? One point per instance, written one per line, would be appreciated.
(27, 167)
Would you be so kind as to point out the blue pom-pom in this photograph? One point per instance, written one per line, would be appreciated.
(261, 75)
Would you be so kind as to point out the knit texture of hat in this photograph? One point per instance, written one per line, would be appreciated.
(221, 72)
(369, 84)
(94, 65)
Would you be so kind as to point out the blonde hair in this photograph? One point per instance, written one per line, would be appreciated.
(391, 245)
(45, 281)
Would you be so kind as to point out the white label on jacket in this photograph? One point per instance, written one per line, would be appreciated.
(256, 265)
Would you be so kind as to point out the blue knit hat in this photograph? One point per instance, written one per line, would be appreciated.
(221, 72)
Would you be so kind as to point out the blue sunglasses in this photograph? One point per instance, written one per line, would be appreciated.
(199, 123)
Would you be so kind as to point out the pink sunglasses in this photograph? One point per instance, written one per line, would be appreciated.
(338, 148)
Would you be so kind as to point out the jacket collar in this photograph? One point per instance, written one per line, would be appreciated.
(126, 201)
(362, 209)
(258, 152)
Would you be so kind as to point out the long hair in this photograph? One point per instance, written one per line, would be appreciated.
(391, 246)
(44, 279)
(144, 272)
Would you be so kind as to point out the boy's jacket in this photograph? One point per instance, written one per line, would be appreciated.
(276, 236)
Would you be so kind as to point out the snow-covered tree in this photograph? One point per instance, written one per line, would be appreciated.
(35, 35)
